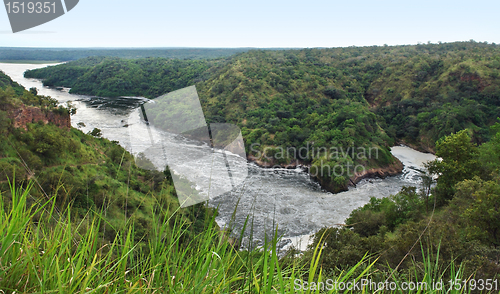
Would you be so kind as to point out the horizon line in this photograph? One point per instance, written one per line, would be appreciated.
(240, 48)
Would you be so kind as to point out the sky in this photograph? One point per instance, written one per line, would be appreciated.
(263, 24)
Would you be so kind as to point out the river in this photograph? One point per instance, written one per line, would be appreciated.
(282, 197)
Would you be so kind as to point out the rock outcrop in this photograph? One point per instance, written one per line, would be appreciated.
(390, 170)
(28, 114)
(272, 163)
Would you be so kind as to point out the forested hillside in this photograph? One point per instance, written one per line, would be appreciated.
(419, 93)
(111, 77)
(356, 97)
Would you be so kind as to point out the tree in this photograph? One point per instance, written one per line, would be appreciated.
(4, 121)
(334, 93)
(459, 161)
(6, 96)
(478, 204)
(489, 153)
(427, 181)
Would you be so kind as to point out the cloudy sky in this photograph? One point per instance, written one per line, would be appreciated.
(192, 23)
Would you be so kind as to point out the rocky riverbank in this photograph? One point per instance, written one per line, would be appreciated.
(271, 163)
(392, 169)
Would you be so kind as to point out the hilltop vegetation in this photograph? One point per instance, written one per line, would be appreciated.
(419, 93)
(356, 97)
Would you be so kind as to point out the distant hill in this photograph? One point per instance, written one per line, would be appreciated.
(362, 97)
(68, 54)
(111, 76)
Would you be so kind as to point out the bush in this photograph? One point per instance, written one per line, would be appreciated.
(96, 133)
(366, 222)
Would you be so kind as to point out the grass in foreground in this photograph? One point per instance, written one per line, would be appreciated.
(42, 252)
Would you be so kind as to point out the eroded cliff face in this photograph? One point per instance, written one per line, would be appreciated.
(28, 114)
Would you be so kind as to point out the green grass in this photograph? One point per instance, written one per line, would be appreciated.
(43, 252)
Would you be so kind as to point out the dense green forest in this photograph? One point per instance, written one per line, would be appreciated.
(356, 97)
(13, 54)
(111, 77)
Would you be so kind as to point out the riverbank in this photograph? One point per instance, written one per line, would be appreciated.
(51, 62)
(392, 169)
(422, 146)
